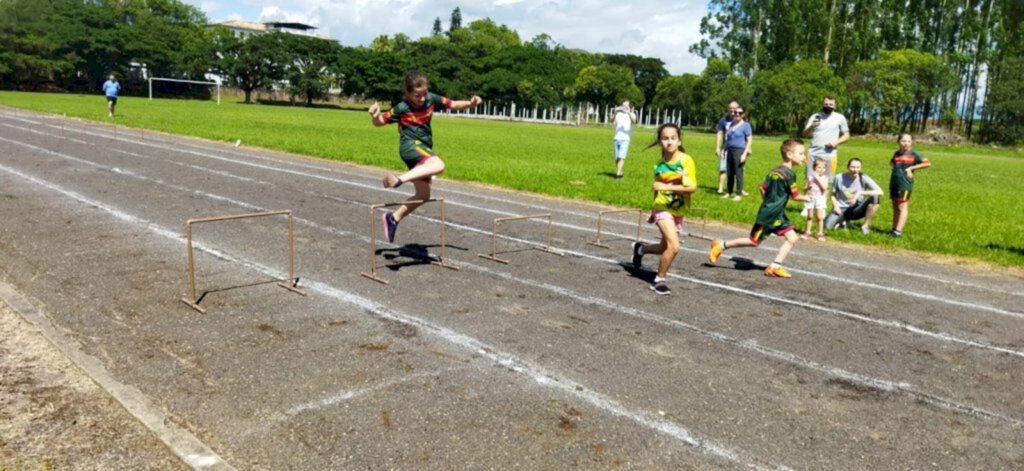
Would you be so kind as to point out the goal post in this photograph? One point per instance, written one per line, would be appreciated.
(161, 79)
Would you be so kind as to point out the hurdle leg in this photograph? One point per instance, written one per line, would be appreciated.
(494, 245)
(293, 281)
(442, 260)
(373, 248)
(547, 248)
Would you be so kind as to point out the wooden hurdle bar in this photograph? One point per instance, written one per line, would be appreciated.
(494, 237)
(373, 239)
(600, 216)
(293, 281)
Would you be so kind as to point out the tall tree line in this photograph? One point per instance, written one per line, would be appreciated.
(971, 47)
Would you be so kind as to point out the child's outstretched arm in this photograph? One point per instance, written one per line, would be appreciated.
(465, 104)
(376, 116)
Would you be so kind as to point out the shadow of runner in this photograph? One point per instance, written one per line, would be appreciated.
(420, 255)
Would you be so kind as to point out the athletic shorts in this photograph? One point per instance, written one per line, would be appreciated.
(761, 232)
(901, 196)
(112, 99)
(621, 148)
(723, 163)
(816, 202)
(416, 156)
(659, 215)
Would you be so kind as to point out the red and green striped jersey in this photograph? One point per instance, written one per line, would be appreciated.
(900, 163)
(414, 123)
(778, 187)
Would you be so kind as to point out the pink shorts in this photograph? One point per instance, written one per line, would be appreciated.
(660, 215)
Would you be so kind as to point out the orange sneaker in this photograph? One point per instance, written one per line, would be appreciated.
(716, 251)
(777, 272)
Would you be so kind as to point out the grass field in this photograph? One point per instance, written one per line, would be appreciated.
(964, 206)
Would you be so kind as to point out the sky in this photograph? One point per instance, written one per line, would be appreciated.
(649, 28)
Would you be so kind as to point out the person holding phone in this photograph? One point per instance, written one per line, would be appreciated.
(827, 129)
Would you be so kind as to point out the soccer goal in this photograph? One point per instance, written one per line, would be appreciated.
(160, 79)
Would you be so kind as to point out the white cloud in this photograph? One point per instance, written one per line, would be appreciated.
(651, 28)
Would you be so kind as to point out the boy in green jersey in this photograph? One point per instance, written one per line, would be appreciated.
(415, 140)
(778, 187)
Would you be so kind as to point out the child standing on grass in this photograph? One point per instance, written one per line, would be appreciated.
(778, 187)
(901, 184)
(817, 188)
(415, 142)
(675, 180)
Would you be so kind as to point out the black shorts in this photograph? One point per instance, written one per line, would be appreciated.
(112, 99)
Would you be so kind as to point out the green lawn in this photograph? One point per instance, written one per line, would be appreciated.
(963, 206)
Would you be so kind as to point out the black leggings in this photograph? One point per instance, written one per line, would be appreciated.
(734, 169)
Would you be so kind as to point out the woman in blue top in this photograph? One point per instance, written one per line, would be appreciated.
(738, 136)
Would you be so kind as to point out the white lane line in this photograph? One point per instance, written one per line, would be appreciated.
(924, 296)
(332, 169)
(509, 361)
(749, 344)
(344, 396)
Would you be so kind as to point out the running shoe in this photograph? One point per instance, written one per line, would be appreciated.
(777, 272)
(638, 254)
(806, 235)
(821, 237)
(390, 226)
(716, 251)
(659, 287)
(865, 230)
(896, 233)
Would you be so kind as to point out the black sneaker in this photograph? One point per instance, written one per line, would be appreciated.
(896, 233)
(390, 226)
(659, 287)
(638, 254)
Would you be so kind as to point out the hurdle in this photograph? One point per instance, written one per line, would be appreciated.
(193, 302)
(600, 216)
(704, 225)
(494, 237)
(373, 238)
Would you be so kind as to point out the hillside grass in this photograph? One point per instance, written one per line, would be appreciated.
(965, 205)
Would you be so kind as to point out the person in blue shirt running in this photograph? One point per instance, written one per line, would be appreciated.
(110, 88)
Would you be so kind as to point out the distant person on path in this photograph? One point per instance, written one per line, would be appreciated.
(904, 162)
(624, 119)
(111, 88)
(817, 198)
(415, 142)
(675, 179)
(738, 140)
(855, 196)
(778, 187)
(828, 129)
(719, 149)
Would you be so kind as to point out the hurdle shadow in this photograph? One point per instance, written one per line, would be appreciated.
(738, 263)
(418, 254)
(247, 285)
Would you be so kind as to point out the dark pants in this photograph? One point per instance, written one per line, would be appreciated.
(853, 213)
(734, 170)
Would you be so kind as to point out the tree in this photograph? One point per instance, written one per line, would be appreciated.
(312, 66)
(437, 31)
(788, 93)
(456, 21)
(254, 62)
(28, 54)
(606, 85)
(647, 71)
(678, 93)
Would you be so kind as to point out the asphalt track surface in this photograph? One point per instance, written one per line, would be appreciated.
(866, 359)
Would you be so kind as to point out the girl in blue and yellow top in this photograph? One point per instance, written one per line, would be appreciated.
(415, 141)
(904, 162)
(675, 179)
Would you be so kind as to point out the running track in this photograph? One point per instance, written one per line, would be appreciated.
(864, 360)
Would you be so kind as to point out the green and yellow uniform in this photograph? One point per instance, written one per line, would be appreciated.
(778, 187)
(415, 138)
(900, 186)
(680, 170)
